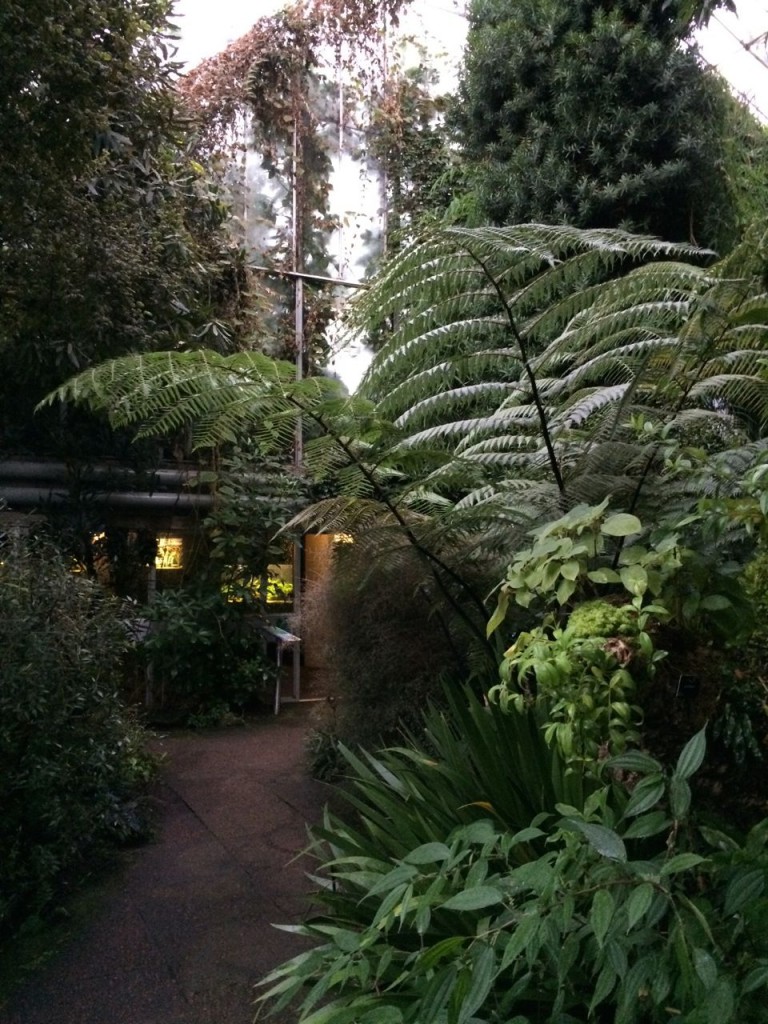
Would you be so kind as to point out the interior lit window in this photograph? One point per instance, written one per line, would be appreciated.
(280, 584)
(343, 538)
(170, 553)
(274, 589)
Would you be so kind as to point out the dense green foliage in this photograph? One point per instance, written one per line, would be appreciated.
(111, 237)
(530, 368)
(594, 114)
(392, 638)
(593, 662)
(530, 371)
(741, 724)
(410, 147)
(521, 858)
(206, 655)
(615, 906)
(620, 903)
(205, 651)
(747, 162)
(71, 755)
(613, 902)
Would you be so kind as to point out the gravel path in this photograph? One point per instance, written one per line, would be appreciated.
(187, 932)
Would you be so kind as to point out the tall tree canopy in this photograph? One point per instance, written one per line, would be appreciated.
(111, 237)
(593, 113)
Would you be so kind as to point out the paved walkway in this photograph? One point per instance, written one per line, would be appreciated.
(187, 932)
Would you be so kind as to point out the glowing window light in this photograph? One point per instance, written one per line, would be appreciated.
(343, 538)
(280, 583)
(79, 568)
(275, 588)
(170, 553)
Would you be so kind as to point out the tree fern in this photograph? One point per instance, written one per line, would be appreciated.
(220, 397)
(516, 360)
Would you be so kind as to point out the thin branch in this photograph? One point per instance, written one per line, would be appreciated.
(293, 275)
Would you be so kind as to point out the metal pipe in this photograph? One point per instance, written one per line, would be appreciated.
(297, 275)
(19, 495)
(29, 469)
(302, 276)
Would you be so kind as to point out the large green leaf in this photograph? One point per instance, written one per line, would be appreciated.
(621, 525)
(607, 842)
(601, 915)
(474, 899)
(692, 755)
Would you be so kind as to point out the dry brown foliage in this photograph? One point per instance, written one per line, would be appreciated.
(263, 71)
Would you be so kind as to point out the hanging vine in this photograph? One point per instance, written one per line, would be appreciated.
(217, 92)
(279, 91)
(408, 144)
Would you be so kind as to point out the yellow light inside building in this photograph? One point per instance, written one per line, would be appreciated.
(343, 538)
(275, 588)
(170, 553)
(280, 583)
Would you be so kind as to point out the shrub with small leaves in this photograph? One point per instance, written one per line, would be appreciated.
(71, 754)
(610, 594)
(584, 683)
(601, 618)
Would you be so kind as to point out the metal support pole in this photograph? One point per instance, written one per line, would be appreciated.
(298, 460)
(298, 455)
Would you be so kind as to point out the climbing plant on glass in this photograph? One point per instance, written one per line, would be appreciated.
(283, 89)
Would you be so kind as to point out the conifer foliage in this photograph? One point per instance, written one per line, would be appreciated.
(595, 114)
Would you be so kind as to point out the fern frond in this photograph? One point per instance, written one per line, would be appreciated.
(444, 403)
(584, 405)
(221, 397)
(341, 515)
(515, 359)
(743, 394)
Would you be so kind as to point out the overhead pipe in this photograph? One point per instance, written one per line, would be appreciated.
(30, 469)
(44, 472)
(28, 496)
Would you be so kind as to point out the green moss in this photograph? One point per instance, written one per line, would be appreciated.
(600, 618)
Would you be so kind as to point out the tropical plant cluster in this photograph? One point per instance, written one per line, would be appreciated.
(540, 389)
(531, 369)
(545, 865)
(628, 898)
(553, 476)
(205, 654)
